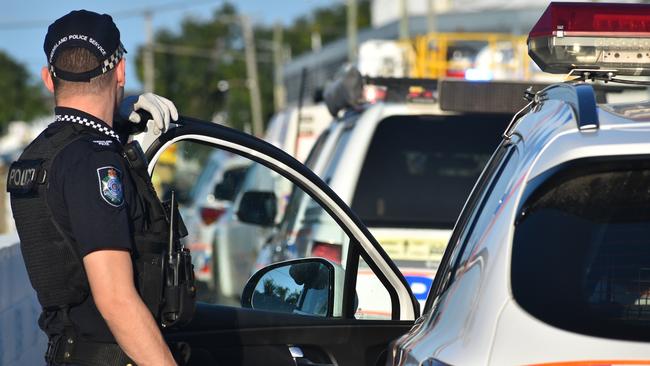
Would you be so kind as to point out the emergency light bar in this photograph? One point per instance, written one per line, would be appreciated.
(351, 90)
(592, 36)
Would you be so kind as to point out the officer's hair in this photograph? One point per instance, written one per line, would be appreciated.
(79, 60)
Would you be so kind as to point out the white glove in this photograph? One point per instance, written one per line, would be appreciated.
(162, 110)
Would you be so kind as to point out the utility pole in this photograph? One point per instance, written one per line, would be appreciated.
(353, 47)
(148, 57)
(316, 41)
(431, 17)
(404, 20)
(251, 74)
(278, 62)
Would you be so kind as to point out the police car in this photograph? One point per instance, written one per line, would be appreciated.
(549, 262)
(393, 157)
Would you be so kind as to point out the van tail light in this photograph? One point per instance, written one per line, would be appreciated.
(327, 251)
(209, 215)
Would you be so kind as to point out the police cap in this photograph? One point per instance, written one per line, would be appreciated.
(84, 29)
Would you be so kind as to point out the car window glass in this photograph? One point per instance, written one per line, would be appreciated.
(207, 176)
(580, 255)
(500, 162)
(372, 297)
(423, 178)
(315, 152)
(179, 167)
(495, 198)
(336, 155)
(228, 248)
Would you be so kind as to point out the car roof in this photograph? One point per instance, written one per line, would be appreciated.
(552, 136)
(549, 136)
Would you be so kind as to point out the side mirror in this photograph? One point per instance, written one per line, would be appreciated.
(258, 208)
(302, 286)
(223, 191)
(227, 188)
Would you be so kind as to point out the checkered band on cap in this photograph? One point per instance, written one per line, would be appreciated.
(87, 122)
(113, 60)
(104, 67)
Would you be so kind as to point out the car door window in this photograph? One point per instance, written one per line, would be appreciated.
(478, 211)
(228, 251)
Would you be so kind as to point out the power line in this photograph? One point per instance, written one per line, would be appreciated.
(181, 50)
(120, 14)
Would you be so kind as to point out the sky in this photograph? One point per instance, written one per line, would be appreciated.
(23, 23)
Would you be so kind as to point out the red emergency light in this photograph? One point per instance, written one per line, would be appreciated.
(596, 36)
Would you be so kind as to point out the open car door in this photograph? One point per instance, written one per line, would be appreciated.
(343, 309)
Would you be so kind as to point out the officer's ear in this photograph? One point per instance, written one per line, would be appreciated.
(47, 79)
(120, 72)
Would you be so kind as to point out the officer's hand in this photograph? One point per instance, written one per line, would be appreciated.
(162, 110)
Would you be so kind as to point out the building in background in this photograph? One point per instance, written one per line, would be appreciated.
(454, 16)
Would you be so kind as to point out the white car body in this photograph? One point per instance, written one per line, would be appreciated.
(476, 320)
(295, 130)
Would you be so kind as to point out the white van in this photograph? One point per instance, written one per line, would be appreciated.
(402, 171)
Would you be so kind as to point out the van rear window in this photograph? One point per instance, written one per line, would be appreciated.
(419, 170)
(581, 251)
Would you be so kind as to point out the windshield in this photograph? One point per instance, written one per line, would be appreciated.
(422, 178)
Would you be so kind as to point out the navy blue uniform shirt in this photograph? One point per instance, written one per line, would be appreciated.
(94, 201)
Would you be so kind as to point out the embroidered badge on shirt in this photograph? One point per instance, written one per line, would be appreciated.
(103, 142)
(110, 185)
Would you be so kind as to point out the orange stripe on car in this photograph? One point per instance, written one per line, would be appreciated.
(595, 363)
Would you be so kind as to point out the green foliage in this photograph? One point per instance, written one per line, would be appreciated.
(206, 52)
(329, 22)
(22, 99)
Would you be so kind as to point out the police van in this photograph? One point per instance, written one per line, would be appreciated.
(393, 156)
(549, 263)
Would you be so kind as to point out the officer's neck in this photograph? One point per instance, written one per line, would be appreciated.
(92, 104)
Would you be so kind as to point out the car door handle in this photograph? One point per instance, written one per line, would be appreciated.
(299, 358)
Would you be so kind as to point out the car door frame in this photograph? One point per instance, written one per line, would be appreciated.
(404, 304)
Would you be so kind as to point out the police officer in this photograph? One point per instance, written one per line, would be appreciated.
(77, 208)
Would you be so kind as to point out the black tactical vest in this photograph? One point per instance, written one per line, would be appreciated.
(53, 263)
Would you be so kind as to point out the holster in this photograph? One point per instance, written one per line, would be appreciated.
(165, 276)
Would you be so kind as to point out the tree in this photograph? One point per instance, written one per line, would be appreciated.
(330, 22)
(192, 65)
(22, 99)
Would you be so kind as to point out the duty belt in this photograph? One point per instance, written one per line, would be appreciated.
(63, 350)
